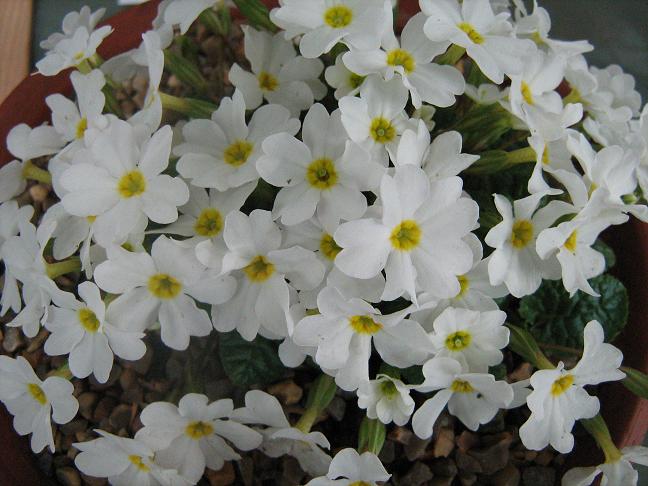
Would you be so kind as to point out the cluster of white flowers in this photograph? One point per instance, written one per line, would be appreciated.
(370, 208)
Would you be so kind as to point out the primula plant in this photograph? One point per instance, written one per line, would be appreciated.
(401, 225)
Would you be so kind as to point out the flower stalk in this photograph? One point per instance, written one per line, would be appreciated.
(185, 71)
(219, 22)
(71, 265)
(598, 429)
(371, 437)
(256, 13)
(319, 398)
(187, 106)
(35, 173)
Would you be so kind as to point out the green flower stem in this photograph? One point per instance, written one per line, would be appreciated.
(319, 398)
(62, 371)
(452, 55)
(185, 70)
(187, 106)
(84, 67)
(523, 343)
(521, 156)
(256, 13)
(371, 437)
(64, 267)
(218, 22)
(112, 105)
(561, 349)
(598, 429)
(31, 171)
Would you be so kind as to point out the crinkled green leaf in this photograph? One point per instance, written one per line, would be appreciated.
(249, 363)
(608, 253)
(553, 317)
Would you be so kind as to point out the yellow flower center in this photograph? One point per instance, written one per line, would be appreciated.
(338, 16)
(81, 127)
(572, 242)
(355, 80)
(259, 269)
(461, 386)
(128, 246)
(209, 223)
(197, 430)
(546, 156)
(329, 247)
(321, 174)
(406, 236)
(561, 385)
(526, 93)
(382, 130)
(388, 389)
(400, 57)
(268, 82)
(164, 286)
(522, 233)
(88, 320)
(138, 462)
(91, 219)
(78, 56)
(132, 184)
(464, 285)
(458, 340)
(238, 153)
(364, 325)
(37, 393)
(471, 32)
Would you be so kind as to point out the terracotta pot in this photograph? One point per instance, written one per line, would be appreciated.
(626, 414)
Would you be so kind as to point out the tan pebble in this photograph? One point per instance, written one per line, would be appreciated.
(39, 192)
(444, 443)
(68, 476)
(224, 477)
(287, 392)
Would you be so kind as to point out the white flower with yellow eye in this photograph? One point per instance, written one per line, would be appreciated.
(613, 472)
(349, 468)
(324, 174)
(324, 23)
(474, 398)
(377, 119)
(559, 397)
(473, 338)
(278, 74)
(70, 119)
(515, 261)
(25, 143)
(118, 180)
(262, 265)
(72, 49)
(183, 13)
(32, 401)
(161, 287)
(488, 38)
(202, 220)
(386, 399)
(222, 152)
(192, 435)
(418, 240)
(124, 461)
(84, 332)
(411, 59)
(344, 331)
(345, 82)
(555, 159)
(279, 437)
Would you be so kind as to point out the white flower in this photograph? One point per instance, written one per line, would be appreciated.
(411, 59)
(279, 437)
(559, 399)
(192, 435)
(262, 266)
(23, 259)
(378, 118)
(71, 22)
(515, 261)
(344, 331)
(554, 158)
(485, 94)
(278, 74)
(357, 23)
(222, 152)
(487, 38)
(32, 401)
(124, 462)
(619, 88)
(119, 181)
(345, 82)
(325, 173)
(613, 473)
(161, 286)
(72, 50)
(184, 12)
(84, 332)
(151, 55)
(386, 399)
(25, 143)
(12, 218)
(70, 119)
(348, 468)
(442, 158)
(473, 338)
(474, 398)
(418, 241)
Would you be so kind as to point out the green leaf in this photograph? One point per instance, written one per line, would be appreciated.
(412, 375)
(608, 253)
(249, 363)
(635, 381)
(555, 318)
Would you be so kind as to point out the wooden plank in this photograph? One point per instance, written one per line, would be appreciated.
(15, 40)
